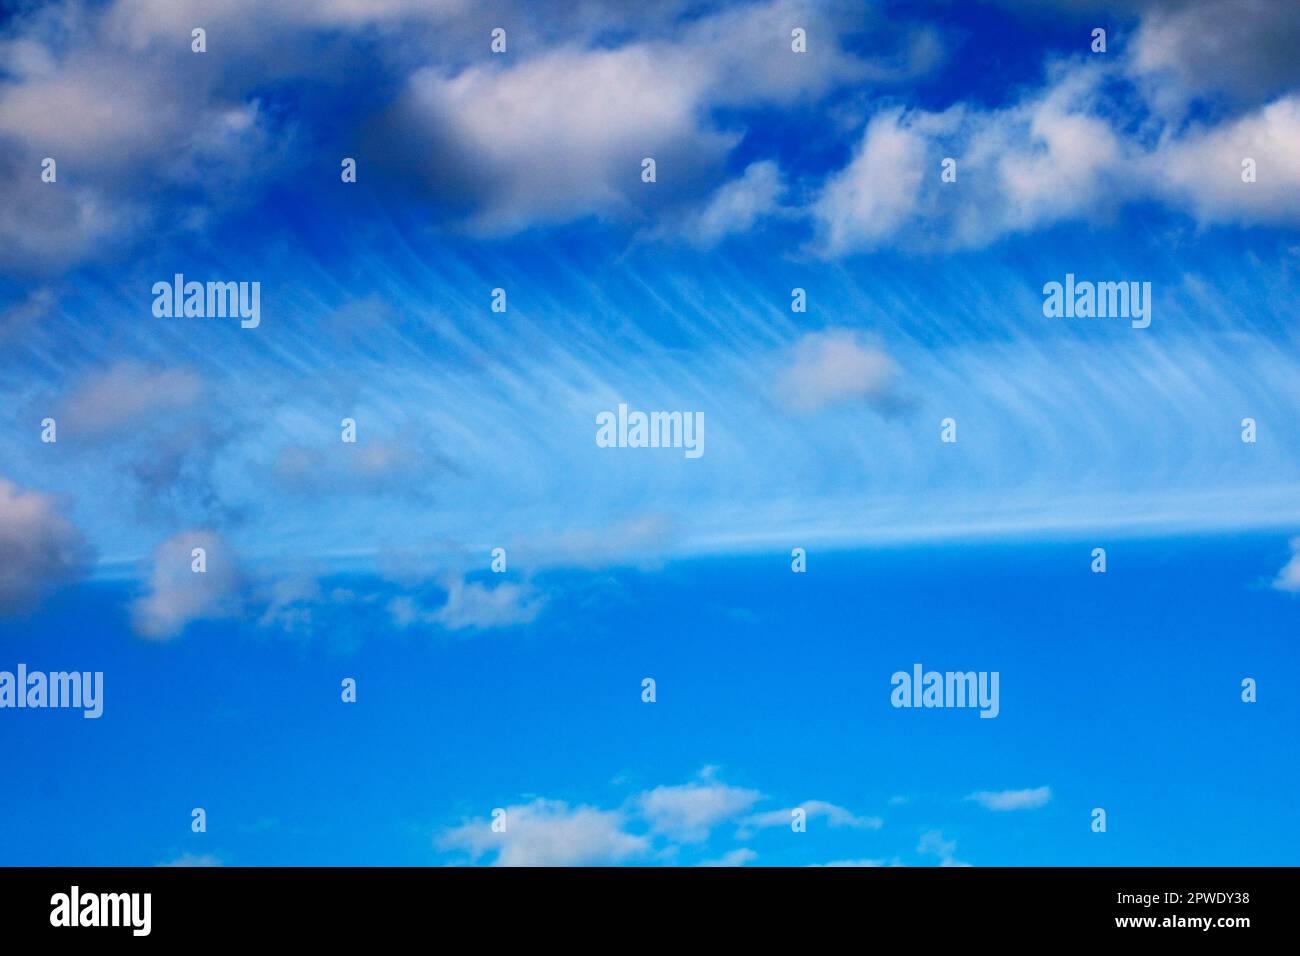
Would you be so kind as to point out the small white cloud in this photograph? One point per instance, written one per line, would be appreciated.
(39, 549)
(1288, 579)
(832, 367)
(194, 859)
(737, 857)
(859, 863)
(834, 816)
(872, 197)
(549, 833)
(1012, 799)
(932, 843)
(178, 595)
(471, 605)
(690, 812)
(737, 206)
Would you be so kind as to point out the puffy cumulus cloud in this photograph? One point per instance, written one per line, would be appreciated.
(749, 49)
(1243, 48)
(1064, 153)
(148, 21)
(662, 822)
(871, 198)
(689, 812)
(40, 550)
(838, 365)
(1288, 579)
(142, 142)
(561, 135)
(1048, 158)
(146, 132)
(124, 394)
(179, 595)
(834, 816)
(1202, 168)
(548, 833)
(1004, 800)
(43, 229)
(88, 113)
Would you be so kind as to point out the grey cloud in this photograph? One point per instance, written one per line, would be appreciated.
(179, 596)
(40, 550)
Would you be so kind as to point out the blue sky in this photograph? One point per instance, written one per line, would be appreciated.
(775, 170)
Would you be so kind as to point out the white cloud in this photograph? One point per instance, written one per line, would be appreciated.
(194, 859)
(144, 20)
(1012, 799)
(932, 843)
(871, 198)
(1201, 169)
(127, 129)
(549, 833)
(747, 49)
(737, 857)
(737, 206)
(834, 816)
(689, 812)
(858, 863)
(472, 605)
(1048, 158)
(178, 595)
(39, 549)
(661, 824)
(835, 366)
(1288, 579)
(1066, 152)
(562, 135)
